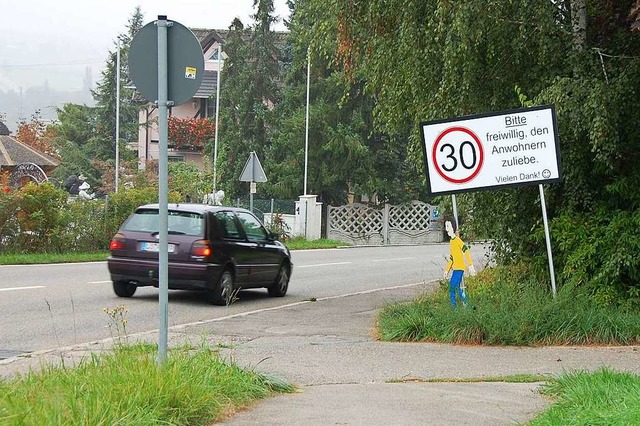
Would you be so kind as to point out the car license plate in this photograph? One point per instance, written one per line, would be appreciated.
(155, 247)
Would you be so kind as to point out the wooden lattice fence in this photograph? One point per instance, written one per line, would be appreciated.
(410, 223)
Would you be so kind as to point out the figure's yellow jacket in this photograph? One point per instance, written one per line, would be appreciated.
(459, 251)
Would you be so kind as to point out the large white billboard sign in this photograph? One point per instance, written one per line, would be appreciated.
(491, 151)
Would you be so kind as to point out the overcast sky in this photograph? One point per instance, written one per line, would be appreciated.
(53, 41)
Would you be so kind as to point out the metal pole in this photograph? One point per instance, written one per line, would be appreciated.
(215, 144)
(272, 212)
(306, 137)
(117, 117)
(455, 211)
(548, 239)
(163, 185)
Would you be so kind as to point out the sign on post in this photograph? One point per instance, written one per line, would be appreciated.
(166, 64)
(253, 172)
(491, 151)
(185, 66)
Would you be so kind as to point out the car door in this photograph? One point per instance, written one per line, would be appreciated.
(236, 245)
(265, 255)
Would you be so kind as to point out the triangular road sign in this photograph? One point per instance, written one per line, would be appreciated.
(253, 171)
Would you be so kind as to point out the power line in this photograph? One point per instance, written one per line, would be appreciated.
(59, 64)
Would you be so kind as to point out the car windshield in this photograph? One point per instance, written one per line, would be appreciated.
(181, 223)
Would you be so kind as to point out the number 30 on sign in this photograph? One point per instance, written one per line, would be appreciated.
(457, 155)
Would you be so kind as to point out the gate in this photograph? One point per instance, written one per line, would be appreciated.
(409, 223)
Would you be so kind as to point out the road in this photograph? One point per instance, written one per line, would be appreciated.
(49, 306)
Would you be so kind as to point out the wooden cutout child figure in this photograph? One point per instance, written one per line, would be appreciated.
(458, 251)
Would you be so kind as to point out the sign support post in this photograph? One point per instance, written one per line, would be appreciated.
(163, 271)
(454, 202)
(548, 239)
(166, 67)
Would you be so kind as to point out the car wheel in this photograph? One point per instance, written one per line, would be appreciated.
(124, 288)
(222, 294)
(280, 286)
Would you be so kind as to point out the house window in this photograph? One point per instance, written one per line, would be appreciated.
(211, 107)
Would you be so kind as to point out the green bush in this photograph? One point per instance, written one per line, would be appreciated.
(509, 306)
(599, 252)
(44, 219)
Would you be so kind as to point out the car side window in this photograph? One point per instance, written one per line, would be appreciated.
(252, 227)
(229, 225)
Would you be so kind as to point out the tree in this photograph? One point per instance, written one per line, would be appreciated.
(86, 135)
(433, 60)
(235, 108)
(75, 136)
(36, 134)
(248, 94)
(346, 153)
(105, 95)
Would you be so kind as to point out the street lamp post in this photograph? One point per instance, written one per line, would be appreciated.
(215, 144)
(117, 116)
(306, 131)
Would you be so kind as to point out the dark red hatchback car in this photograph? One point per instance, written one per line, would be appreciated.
(214, 249)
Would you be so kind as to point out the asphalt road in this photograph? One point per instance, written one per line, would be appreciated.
(49, 306)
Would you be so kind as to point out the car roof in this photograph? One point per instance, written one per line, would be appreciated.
(192, 207)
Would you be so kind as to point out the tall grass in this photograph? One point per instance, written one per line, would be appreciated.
(507, 308)
(126, 387)
(603, 397)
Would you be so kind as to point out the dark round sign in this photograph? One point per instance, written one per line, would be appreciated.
(185, 62)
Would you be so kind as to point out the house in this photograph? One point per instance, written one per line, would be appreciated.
(19, 163)
(202, 105)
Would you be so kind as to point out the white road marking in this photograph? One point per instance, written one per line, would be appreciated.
(21, 288)
(99, 282)
(323, 264)
(393, 260)
(209, 321)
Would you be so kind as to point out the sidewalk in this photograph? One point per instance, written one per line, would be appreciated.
(346, 377)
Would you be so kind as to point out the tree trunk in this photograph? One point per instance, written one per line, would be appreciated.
(579, 24)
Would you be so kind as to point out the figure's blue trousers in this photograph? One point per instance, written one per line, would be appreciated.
(454, 288)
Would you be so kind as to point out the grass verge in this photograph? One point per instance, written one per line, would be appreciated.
(126, 387)
(604, 397)
(36, 258)
(44, 258)
(507, 308)
(302, 244)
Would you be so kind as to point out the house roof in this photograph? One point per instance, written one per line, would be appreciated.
(4, 131)
(208, 85)
(13, 152)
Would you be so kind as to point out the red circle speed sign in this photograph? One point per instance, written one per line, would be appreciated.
(457, 155)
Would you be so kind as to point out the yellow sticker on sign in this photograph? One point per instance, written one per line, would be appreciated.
(190, 72)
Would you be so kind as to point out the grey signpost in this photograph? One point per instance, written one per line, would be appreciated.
(166, 65)
(252, 172)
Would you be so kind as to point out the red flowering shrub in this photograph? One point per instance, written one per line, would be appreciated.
(190, 133)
